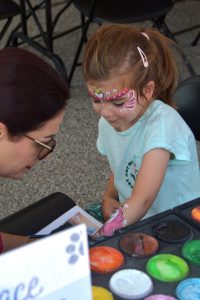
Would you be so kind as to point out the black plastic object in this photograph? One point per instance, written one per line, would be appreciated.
(128, 11)
(8, 10)
(172, 231)
(187, 100)
(145, 226)
(184, 211)
(37, 215)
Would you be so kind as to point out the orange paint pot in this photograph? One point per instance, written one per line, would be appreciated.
(104, 259)
(195, 214)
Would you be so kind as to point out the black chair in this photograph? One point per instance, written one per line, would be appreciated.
(127, 11)
(195, 41)
(33, 218)
(187, 99)
(8, 10)
(47, 32)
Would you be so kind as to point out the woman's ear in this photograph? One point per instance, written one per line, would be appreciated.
(3, 131)
(148, 90)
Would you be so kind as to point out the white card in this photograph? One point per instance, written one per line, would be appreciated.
(52, 268)
(76, 215)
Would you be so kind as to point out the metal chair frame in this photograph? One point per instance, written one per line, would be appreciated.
(158, 22)
(47, 35)
(8, 17)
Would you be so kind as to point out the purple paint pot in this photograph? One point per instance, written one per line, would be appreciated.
(160, 297)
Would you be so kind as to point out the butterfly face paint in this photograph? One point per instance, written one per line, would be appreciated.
(130, 104)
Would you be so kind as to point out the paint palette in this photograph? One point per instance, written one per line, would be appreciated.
(171, 249)
(190, 212)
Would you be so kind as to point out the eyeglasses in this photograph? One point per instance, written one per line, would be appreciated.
(46, 149)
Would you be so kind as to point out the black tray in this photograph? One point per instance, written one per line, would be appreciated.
(140, 263)
(184, 212)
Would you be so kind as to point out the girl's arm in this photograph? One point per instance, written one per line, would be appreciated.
(110, 198)
(147, 185)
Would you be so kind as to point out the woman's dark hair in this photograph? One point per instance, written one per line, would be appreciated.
(31, 91)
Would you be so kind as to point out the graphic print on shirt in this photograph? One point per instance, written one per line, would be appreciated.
(131, 173)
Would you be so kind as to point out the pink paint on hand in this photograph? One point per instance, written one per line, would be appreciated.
(114, 223)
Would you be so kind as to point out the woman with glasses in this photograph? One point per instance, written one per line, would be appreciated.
(32, 102)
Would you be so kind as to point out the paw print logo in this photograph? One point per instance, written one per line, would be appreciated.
(98, 93)
(131, 173)
(75, 248)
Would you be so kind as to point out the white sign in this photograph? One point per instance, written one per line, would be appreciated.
(53, 268)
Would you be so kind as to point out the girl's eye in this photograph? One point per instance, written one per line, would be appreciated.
(118, 104)
(95, 101)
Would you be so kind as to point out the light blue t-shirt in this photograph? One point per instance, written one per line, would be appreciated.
(160, 127)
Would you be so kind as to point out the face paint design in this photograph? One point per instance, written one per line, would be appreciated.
(130, 104)
(114, 223)
(99, 95)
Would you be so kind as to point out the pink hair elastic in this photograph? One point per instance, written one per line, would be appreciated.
(146, 35)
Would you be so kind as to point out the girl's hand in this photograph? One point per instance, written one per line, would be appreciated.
(109, 206)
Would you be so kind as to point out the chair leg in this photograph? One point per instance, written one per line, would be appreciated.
(5, 27)
(78, 51)
(23, 17)
(83, 38)
(23, 23)
(49, 26)
(184, 58)
(59, 64)
(194, 43)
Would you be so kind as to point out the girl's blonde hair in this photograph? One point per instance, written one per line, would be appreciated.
(112, 51)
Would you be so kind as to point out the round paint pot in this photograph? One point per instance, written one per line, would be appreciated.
(191, 251)
(138, 244)
(160, 297)
(99, 293)
(195, 214)
(167, 267)
(130, 284)
(104, 259)
(172, 231)
(189, 289)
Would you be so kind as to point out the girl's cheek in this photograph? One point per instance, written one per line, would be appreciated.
(97, 108)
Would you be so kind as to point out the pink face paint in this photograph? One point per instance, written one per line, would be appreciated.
(130, 104)
(99, 95)
(114, 223)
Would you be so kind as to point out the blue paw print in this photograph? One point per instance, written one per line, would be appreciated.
(75, 248)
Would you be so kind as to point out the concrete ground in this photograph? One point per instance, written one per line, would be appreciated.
(76, 168)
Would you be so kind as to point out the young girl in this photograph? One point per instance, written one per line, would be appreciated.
(131, 75)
